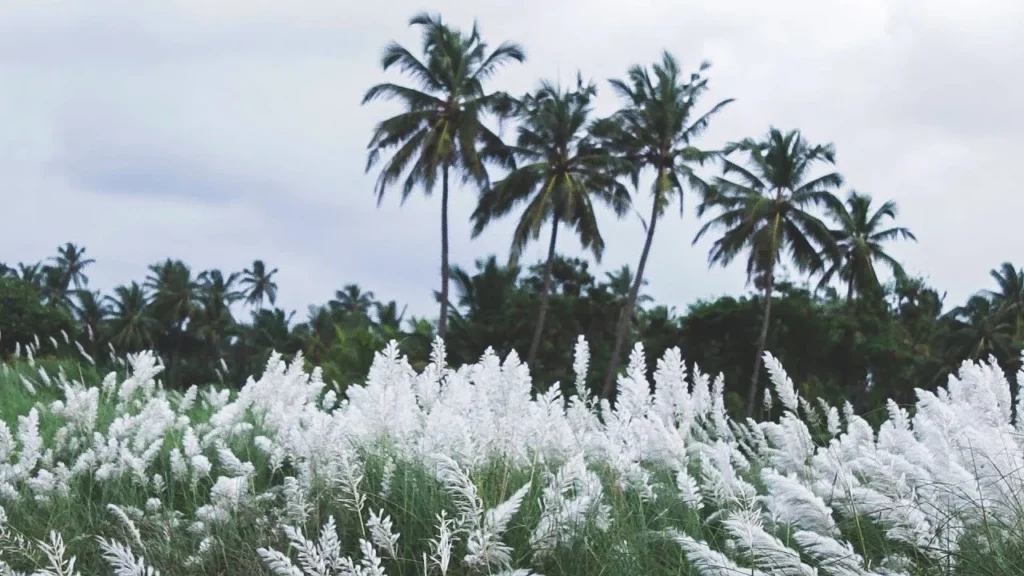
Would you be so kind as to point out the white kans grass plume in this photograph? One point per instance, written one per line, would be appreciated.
(779, 489)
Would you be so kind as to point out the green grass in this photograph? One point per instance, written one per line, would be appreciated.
(634, 545)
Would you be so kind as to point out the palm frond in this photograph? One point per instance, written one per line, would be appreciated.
(505, 53)
(412, 99)
(396, 54)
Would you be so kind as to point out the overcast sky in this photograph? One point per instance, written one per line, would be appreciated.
(222, 131)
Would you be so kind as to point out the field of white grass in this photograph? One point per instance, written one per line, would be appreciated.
(459, 471)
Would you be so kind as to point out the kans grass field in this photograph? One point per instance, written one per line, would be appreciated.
(457, 470)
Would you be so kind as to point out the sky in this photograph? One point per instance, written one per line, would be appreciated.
(220, 132)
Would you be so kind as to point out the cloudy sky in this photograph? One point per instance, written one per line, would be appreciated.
(222, 131)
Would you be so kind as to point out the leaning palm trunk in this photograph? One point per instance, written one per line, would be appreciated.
(545, 296)
(628, 311)
(762, 341)
(442, 323)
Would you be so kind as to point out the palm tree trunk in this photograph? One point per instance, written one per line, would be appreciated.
(443, 322)
(853, 382)
(626, 317)
(172, 372)
(545, 295)
(762, 341)
(243, 355)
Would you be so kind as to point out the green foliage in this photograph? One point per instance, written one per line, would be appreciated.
(895, 338)
(23, 315)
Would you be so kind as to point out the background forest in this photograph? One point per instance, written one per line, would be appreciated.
(216, 326)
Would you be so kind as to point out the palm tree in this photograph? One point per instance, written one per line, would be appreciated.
(213, 318)
(766, 213)
(656, 130)
(271, 331)
(389, 316)
(92, 312)
(33, 274)
(175, 292)
(1009, 299)
(219, 290)
(563, 171)
(861, 236)
(483, 302)
(441, 128)
(259, 284)
(175, 300)
(486, 291)
(55, 287)
(620, 282)
(132, 327)
(316, 332)
(351, 303)
(979, 330)
(71, 264)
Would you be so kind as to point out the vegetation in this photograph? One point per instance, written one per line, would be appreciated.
(884, 344)
(458, 471)
(184, 463)
(772, 202)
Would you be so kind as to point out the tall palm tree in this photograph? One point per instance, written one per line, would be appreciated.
(132, 327)
(71, 264)
(441, 129)
(259, 284)
(562, 171)
(656, 130)
(861, 235)
(1008, 300)
(764, 212)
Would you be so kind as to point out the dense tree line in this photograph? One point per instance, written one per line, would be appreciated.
(215, 326)
(773, 202)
